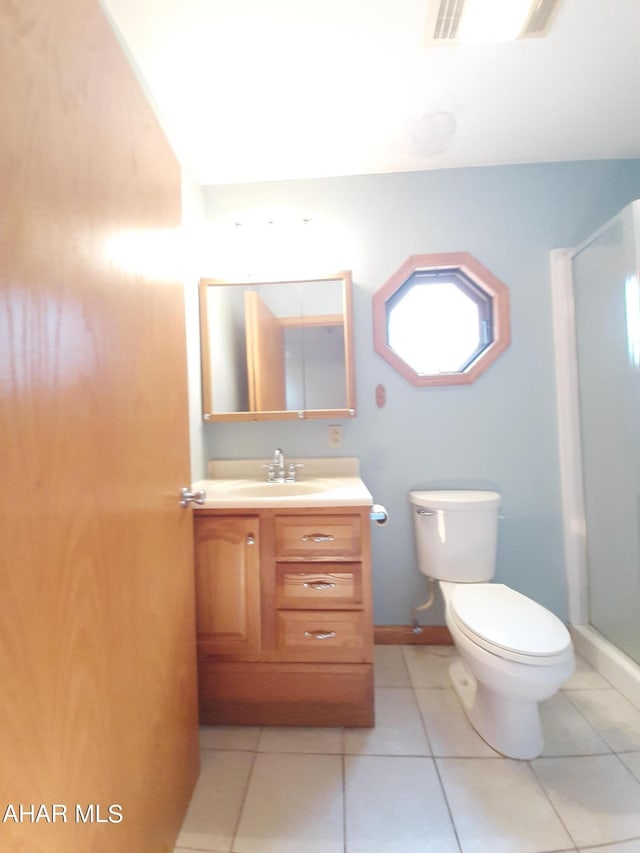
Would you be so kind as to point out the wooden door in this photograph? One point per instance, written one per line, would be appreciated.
(97, 625)
(227, 585)
(265, 356)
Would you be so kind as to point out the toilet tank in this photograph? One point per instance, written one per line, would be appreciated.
(456, 534)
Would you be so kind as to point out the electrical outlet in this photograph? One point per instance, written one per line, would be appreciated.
(335, 436)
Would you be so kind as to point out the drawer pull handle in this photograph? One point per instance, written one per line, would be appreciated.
(320, 635)
(319, 585)
(251, 539)
(318, 537)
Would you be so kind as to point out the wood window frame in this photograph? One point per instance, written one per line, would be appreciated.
(479, 275)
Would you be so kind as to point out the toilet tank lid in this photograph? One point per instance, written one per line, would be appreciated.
(509, 620)
(455, 499)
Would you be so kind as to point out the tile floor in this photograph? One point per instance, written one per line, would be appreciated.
(422, 780)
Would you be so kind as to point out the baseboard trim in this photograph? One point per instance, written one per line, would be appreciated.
(402, 635)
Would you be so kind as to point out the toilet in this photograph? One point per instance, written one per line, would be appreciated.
(514, 653)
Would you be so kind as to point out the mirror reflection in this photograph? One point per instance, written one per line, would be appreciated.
(277, 349)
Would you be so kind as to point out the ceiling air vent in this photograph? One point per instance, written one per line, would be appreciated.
(444, 19)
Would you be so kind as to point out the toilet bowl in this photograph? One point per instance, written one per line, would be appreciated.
(514, 653)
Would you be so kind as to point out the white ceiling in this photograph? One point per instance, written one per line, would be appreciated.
(256, 90)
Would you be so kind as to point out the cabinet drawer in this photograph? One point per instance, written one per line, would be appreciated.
(321, 635)
(306, 588)
(317, 537)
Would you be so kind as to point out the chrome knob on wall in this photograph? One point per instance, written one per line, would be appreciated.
(187, 497)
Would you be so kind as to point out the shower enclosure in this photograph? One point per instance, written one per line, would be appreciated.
(597, 339)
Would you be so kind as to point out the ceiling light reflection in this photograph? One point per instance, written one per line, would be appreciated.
(154, 254)
(489, 21)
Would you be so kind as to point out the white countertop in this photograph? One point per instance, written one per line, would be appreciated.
(321, 482)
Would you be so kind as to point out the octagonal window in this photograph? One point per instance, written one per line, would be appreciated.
(441, 319)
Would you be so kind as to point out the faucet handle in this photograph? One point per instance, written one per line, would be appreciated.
(291, 469)
(271, 473)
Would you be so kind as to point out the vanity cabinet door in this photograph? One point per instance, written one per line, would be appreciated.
(227, 585)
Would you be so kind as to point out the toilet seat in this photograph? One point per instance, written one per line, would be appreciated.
(509, 624)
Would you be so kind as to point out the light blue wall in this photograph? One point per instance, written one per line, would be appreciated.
(498, 433)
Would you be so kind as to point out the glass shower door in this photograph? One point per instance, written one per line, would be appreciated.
(607, 317)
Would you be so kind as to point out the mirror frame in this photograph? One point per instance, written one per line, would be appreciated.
(210, 415)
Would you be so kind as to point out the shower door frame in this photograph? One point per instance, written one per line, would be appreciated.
(607, 659)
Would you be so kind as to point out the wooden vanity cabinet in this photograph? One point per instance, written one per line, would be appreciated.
(285, 628)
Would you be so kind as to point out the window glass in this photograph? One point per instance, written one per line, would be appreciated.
(437, 324)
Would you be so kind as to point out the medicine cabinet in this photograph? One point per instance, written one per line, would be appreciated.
(277, 349)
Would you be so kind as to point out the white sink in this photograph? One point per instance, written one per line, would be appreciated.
(275, 490)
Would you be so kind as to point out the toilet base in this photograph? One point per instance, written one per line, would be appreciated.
(510, 726)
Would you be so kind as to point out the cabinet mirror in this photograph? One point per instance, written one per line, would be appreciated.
(277, 349)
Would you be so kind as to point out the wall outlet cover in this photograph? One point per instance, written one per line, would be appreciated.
(335, 436)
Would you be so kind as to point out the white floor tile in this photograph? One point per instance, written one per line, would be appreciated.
(449, 731)
(396, 805)
(389, 668)
(632, 760)
(566, 731)
(596, 797)
(294, 804)
(624, 847)
(615, 719)
(399, 729)
(585, 678)
(215, 806)
(306, 740)
(429, 665)
(498, 806)
(229, 737)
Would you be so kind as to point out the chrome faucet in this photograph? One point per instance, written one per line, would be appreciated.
(278, 471)
(278, 464)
